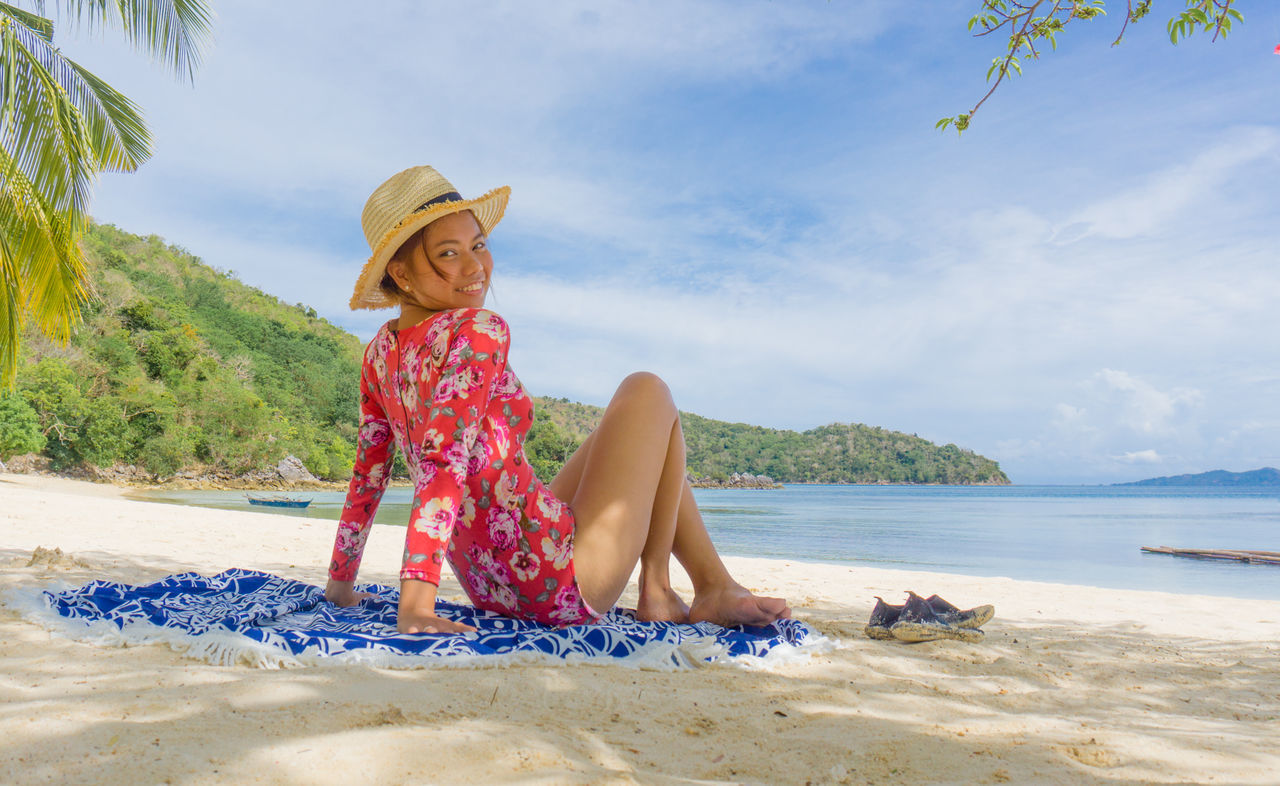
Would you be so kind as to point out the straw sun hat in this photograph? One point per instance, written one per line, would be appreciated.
(405, 203)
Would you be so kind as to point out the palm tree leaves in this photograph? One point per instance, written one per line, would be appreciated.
(174, 32)
(115, 123)
(41, 268)
(43, 27)
(40, 127)
(59, 127)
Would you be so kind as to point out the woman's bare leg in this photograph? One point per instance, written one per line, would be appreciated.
(657, 600)
(717, 597)
(627, 496)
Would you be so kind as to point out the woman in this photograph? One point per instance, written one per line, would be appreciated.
(436, 384)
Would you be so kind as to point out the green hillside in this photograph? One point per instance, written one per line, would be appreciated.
(179, 366)
(837, 453)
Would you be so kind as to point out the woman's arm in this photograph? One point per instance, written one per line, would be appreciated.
(457, 407)
(375, 451)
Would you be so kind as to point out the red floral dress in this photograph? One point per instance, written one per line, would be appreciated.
(441, 392)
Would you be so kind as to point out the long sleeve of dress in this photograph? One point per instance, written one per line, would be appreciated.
(458, 404)
(375, 450)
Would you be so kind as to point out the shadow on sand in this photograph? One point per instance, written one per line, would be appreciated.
(1047, 702)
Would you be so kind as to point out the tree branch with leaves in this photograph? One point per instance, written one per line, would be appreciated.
(1033, 25)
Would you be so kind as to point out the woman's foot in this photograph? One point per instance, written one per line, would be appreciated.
(734, 604)
(661, 605)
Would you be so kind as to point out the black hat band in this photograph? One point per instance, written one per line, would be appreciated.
(452, 196)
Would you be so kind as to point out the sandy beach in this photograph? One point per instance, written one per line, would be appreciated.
(1072, 685)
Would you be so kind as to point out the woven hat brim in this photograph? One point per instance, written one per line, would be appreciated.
(488, 210)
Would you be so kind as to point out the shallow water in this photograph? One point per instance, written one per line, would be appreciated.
(1068, 534)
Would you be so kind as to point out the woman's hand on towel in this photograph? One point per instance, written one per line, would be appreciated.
(343, 593)
(429, 623)
(417, 611)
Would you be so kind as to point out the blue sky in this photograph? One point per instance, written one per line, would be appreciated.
(749, 198)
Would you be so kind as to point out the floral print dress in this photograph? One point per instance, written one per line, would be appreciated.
(442, 393)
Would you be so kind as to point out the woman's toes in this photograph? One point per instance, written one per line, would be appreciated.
(739, 607)
(774, 606)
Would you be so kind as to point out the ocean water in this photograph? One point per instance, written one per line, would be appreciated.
(1067, 534)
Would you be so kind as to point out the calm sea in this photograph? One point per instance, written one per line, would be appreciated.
(1068, 534)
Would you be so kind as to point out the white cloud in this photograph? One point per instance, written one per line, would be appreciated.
(502, 92)
(1144, 408)
(1158, 204)
(1072, 423)
(1140, 457)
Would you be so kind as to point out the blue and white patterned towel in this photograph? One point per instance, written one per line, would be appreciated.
(247, 615)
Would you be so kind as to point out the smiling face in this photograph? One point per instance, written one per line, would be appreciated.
(448, 265)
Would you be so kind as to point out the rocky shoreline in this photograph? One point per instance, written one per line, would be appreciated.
(738, 480)
(288, 475)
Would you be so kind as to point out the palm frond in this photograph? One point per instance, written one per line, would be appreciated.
(173, 32)
(120, 138)
(10, 310)
(40, 128)
(57, 278)
(42, 268)
(56, 96)
(42, 26)
(46, 240)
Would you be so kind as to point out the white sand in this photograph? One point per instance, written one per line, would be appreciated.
(1073, 684)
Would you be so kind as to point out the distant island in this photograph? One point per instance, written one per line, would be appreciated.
(1267, 476)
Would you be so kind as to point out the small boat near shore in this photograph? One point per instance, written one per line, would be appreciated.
(1237, 555)
(279, 501)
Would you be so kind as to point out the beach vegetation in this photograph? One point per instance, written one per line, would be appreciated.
(20, 431)
(60, 125)
(549, 444)
(179, 366)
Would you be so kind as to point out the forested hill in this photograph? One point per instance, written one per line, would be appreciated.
(179, 366)
(837, 453)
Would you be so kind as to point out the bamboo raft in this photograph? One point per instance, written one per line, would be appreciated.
(1237, 555)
